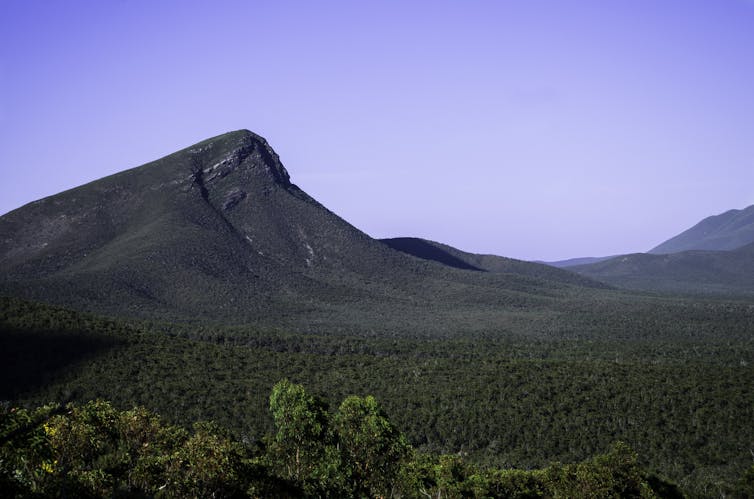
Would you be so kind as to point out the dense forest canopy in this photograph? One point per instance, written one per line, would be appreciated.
(95, 450)
(681, 401)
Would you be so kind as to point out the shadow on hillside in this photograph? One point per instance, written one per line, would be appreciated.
(426, 251)
(32, 359)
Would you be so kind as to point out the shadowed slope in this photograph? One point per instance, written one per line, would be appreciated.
(427, 250)
(452, 257)
(38, 343)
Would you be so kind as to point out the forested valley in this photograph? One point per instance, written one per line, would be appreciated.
(469, 415)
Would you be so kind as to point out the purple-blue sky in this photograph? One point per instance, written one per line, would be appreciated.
(531, 129)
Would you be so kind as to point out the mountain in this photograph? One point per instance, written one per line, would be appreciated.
(694, 272)
(218, 232)
(727, 231)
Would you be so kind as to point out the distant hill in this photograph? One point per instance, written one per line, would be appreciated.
(218, 232)
(715, 256)
(562, 264)
(694, 272)
(447, 255)
(727, 231)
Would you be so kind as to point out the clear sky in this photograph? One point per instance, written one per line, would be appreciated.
(531, 129)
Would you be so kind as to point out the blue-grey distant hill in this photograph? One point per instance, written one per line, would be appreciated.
(727, 231)
(715, 256)
(571, 262)
(688, 272)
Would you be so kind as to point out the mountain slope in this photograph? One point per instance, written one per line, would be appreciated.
(705, 272)
(453, 257)
(218, 232)
(727, 231)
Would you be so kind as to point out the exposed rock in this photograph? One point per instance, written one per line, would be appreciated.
(233, 197)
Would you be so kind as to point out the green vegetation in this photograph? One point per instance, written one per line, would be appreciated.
(682, 399)
(94, 450)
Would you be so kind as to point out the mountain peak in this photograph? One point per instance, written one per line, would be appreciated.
(218, 156)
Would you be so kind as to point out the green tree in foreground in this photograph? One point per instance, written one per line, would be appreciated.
(373, 450)
(95, 450)
(302, 450)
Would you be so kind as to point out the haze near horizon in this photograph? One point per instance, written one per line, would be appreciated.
(534, 130)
